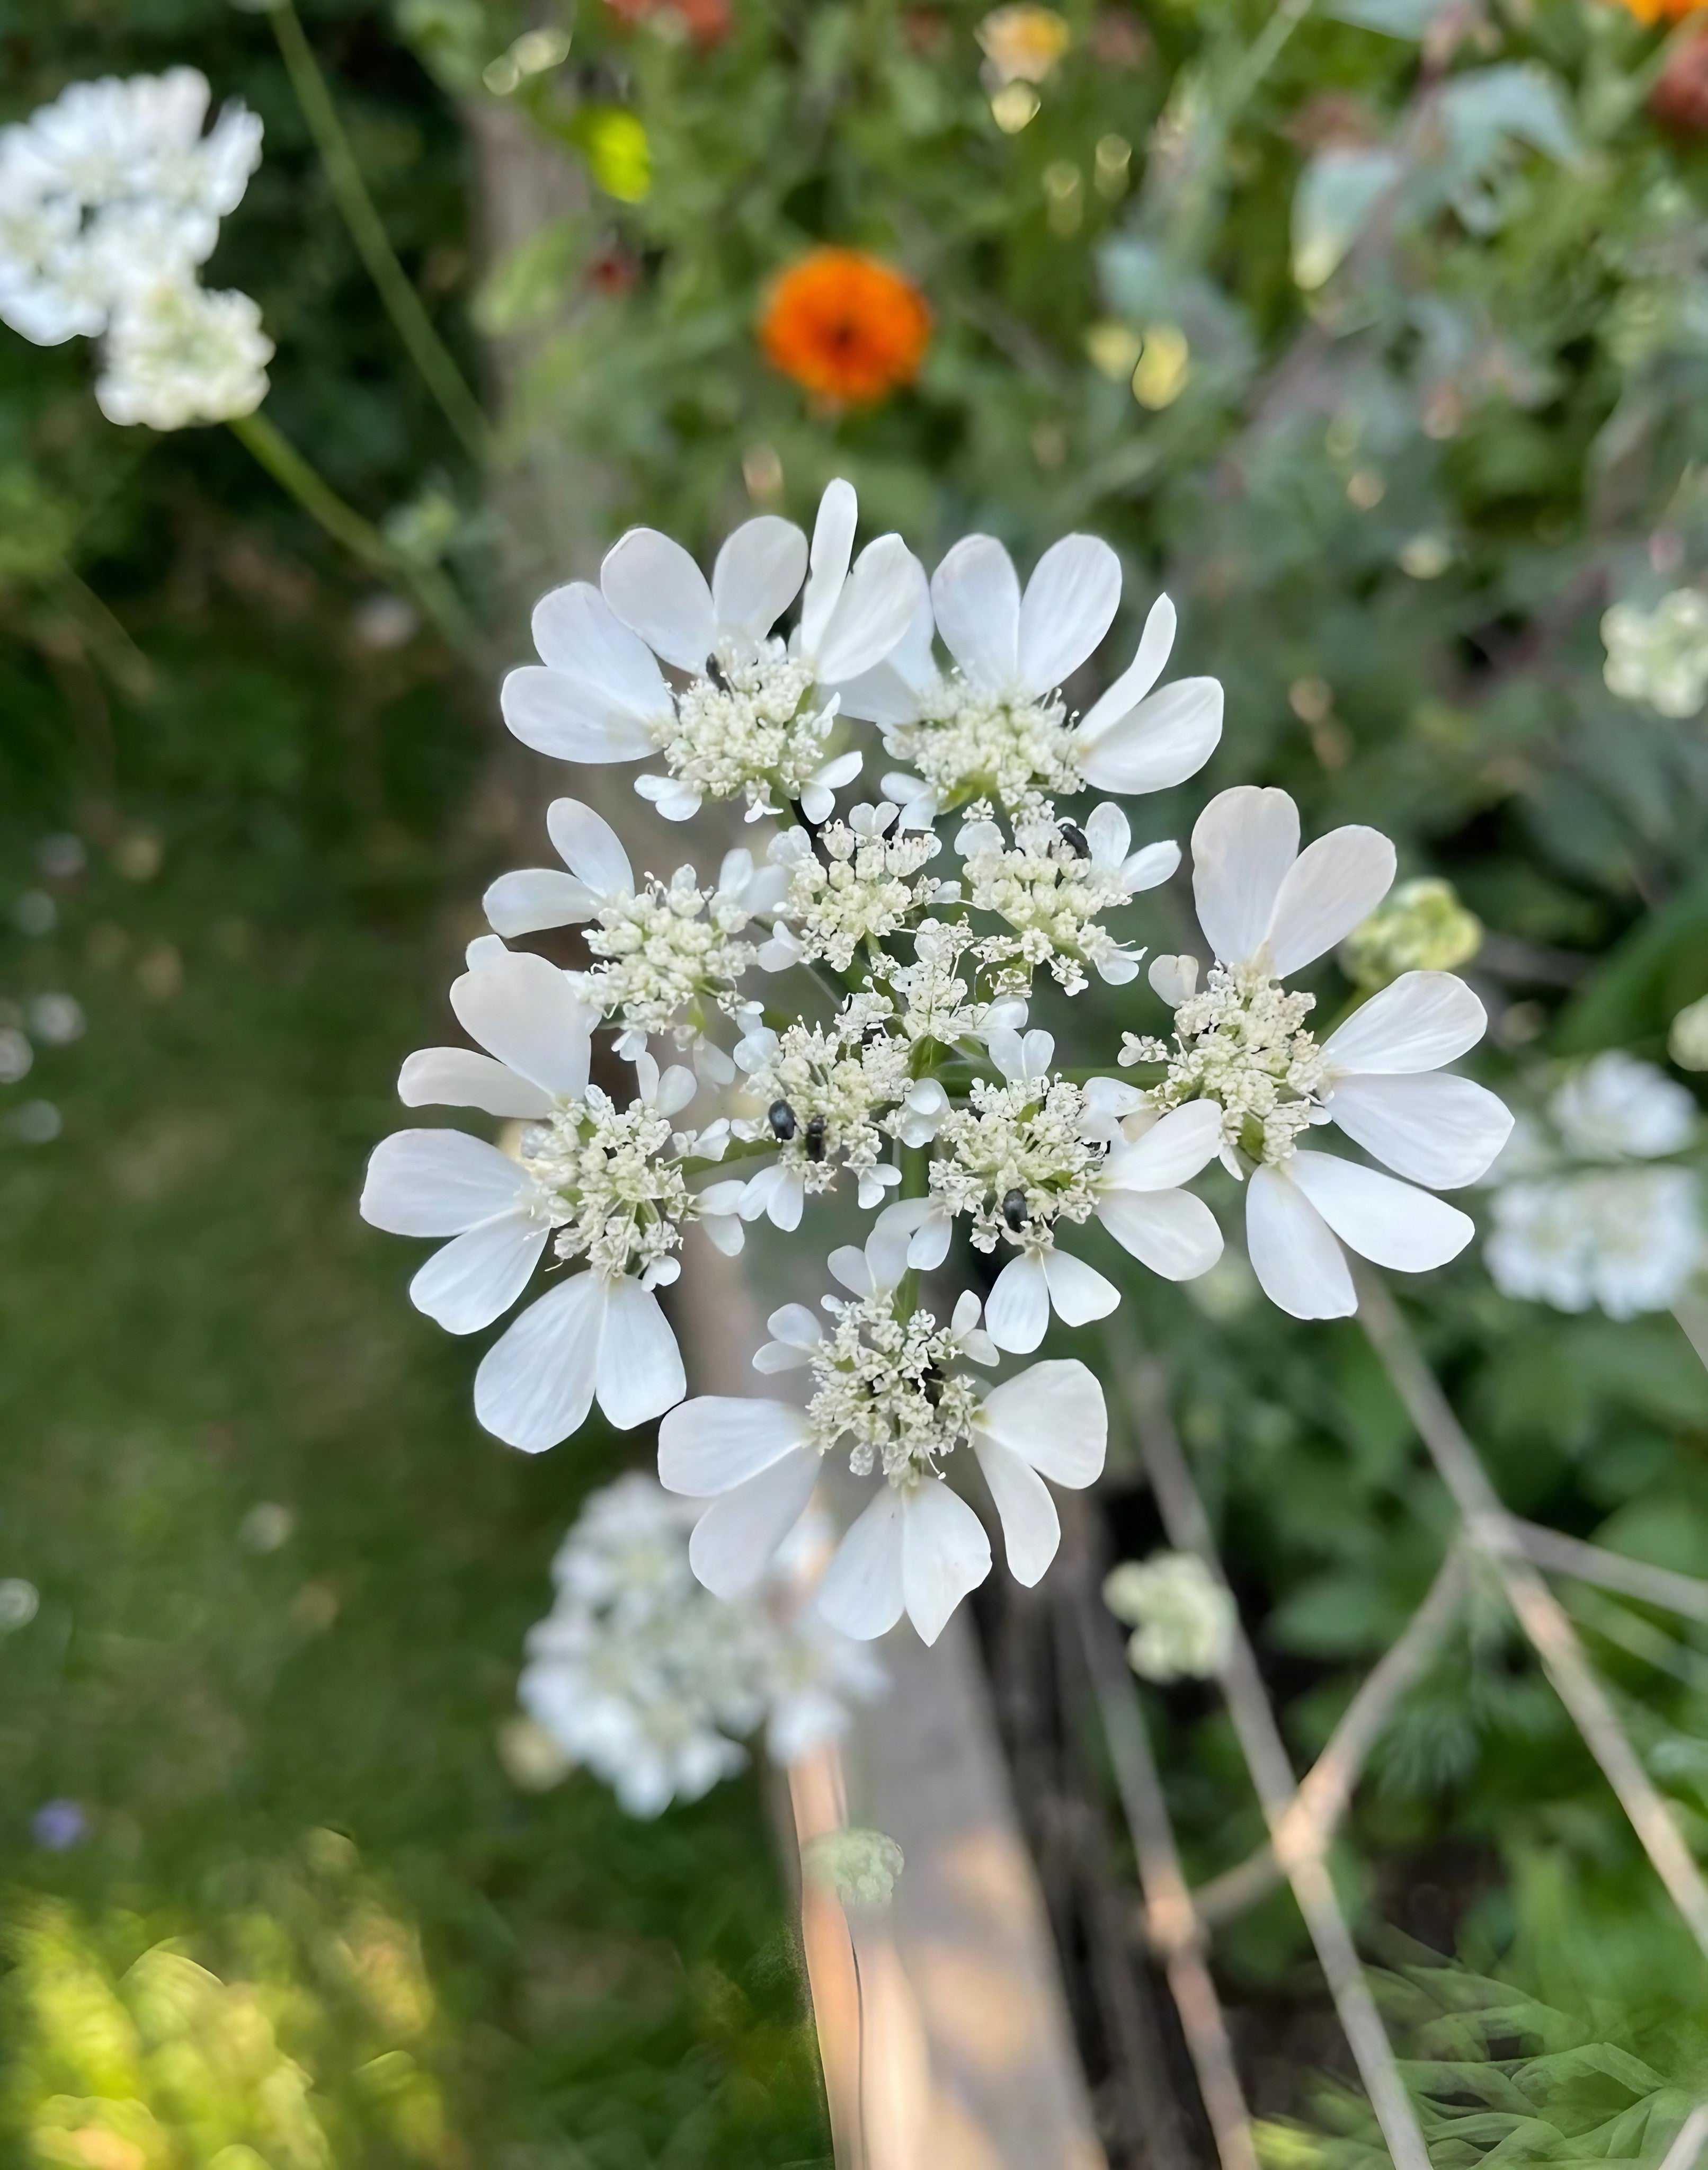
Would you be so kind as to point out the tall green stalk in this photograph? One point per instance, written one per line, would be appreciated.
(429, 352)
(360, 537)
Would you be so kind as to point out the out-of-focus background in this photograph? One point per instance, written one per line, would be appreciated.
(1377, 331)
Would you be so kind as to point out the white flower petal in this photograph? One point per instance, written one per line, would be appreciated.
(458, 1077)
(1114, 706)
(1078, 1292)
(1109, 833)
(872, 613)
(1031, 1527)
(833, 546)
(861, 1591)
(779, 1192)
(601, 692)
(1387, 1221)
(758, 575)
(1171, 1150)
(437, 1182)
(658, 591)
(566, 719)
(736, 1539)
(889, 694)
(1054, 1416)
(1242, 844)
(1442, 1131)
(522, 1009)
(797, 1325)
(1016, 1310)
(640, 1367)
(1331, 887)
(1148, 868)
(589, 848)
(715, 1442)
(1158, 744)
(536, 897)
(1070, 604)
(1421, 1021)
(1299, 1264)
(944, 1553)
(928, 1228)
(476, 1277)
(1172, 1232)
(534, 1384)
(975, 596)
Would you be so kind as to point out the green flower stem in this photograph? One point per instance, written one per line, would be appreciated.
(427, 350)
(360, 537)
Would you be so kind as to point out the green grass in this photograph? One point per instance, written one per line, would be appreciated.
(193, 1320)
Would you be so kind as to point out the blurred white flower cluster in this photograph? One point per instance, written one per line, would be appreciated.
(1182, 1617)
(110, 202)
(1584, 1218)
(646, 1678)
(1659, 656)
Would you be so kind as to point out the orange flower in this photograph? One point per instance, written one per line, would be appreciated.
(846, 326)
(1662, 11)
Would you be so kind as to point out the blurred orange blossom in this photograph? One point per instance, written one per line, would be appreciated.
(846, 326)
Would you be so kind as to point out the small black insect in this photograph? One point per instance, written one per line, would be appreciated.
(1014, 1210)
(716, 673)
(931, 1384)
(1075, 839)
(782, 1118)
(815, 1137)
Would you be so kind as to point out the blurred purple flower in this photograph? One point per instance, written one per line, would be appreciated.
(59, 1825)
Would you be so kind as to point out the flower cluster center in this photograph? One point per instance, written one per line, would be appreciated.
(611, 1191)
(1017, 1163)
(743, 730)
(967, 746)
(1242, 1042)
(658, 953)
(886, 1383)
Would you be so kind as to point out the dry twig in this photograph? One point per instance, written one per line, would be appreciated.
(1327, 1789)
(1272, 1773)
(1171, 1920)
(1539, 1613)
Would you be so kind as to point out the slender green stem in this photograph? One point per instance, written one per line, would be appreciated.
(428, 351)
(350, 531)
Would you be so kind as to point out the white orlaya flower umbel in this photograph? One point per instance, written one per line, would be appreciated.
(918, 1547)
(592, 1334)
(1269, 909)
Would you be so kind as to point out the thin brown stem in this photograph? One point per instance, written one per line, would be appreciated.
(1327, 1789)
(1539, 1613)
(1684, 1594)
(1172, 1924)
(1267, 1759)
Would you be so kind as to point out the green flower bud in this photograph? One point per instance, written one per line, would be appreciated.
(1686, 1043)
(860, 1866)
(1422, 928)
